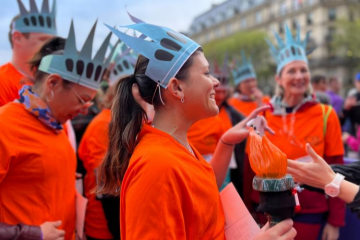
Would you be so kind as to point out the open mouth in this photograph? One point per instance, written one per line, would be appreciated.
(212, 96)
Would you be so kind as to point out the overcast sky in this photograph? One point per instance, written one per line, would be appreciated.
(175, 14)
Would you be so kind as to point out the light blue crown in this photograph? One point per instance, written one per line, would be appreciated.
(35, 21)
(79, 68)
(167, 51)
(244, 71)
(122, 63)
(292, 50)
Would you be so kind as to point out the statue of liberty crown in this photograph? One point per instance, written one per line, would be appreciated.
(221, 74)
(167, 51)
(243, 71)
(292, 50)
(35, 21)
(122, 62)
(79, 68)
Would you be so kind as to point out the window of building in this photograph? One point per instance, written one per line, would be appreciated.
(332, 14)
(258, 17)
(281, 27)
(295, 5)
(309, 18)
(243, 23)
(283, 8)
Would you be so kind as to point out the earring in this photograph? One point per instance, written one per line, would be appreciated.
(182, 99)
(51, 98)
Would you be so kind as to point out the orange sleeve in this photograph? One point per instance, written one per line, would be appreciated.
(93, 146)
(333, 141)
(161, 182)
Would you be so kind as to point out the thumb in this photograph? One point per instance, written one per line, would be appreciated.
(265, 227)
(56, 224)
(312, 153)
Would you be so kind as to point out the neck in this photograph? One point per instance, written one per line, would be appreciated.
(293, 100)
(20, 64)
(173, 122)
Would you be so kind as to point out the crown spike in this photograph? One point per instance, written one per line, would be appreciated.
(54, 9)
(33, 7)
(289, 36)
(45, 7)
(70, 45)
(100, 55)
(22, 8)
(298, 33)
(279, 40)
(112, 55)
(86, 50)
(135, 19)
(243, 57)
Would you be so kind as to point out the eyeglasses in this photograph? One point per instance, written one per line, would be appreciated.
(85, 104)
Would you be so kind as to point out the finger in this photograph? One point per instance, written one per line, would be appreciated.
(60, 233)
(289, 234)
(272, 132)
(295, 164)
(282, 227)
(265, 227)
(257, 111)
(56, 224)
(312, 153)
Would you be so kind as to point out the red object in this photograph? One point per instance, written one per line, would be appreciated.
(297, 207)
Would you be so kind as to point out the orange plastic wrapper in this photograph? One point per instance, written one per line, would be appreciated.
(266, 160)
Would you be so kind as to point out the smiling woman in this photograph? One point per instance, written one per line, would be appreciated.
(299, 119)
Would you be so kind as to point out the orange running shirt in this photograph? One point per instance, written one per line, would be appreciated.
(92, 150)
(308, 128)
(169, 194)
(246, 107)
(10, 83)
(37, 171)
(206, 133)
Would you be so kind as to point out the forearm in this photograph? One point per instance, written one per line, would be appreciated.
(348, 191)
(220, 161)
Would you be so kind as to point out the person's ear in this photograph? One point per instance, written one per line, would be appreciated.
(278, 79)
(177, 88)
(16, 38)
(54, 81)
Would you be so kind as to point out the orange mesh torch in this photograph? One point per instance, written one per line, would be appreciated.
(278, 199)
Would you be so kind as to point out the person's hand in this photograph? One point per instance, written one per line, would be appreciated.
(330, 232)
(239, 133)
(316, 174)
(282, 231)
(50, 231)
(349, 102)
(345, 136)
(78, 176)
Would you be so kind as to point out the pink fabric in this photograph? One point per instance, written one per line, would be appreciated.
(354, 142)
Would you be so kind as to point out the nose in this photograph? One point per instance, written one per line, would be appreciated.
(298, 75)
(216, 82)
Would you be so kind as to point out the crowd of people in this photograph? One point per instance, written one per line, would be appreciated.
(166, 133)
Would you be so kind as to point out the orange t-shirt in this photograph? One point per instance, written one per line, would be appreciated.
(10, 83)
(206, 133)
(167, 193)
(37, 171)
(308, 128)
(92, 150)
(246, 107)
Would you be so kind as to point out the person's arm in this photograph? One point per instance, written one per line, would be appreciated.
(221, 158)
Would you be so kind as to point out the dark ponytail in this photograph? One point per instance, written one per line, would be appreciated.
(127, 119)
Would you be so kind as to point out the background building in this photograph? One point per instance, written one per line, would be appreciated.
(321, 17)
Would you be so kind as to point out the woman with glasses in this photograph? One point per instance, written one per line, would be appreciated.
(297, 119)
(37, 166)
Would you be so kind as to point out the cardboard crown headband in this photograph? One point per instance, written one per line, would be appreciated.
(243, 71)
(77, 67)
(122, 63)
(35, 21)
(167, 51)
(292, 50)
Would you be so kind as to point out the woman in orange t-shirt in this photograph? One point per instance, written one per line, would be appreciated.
(37, 167)
(168, 191)
(247, 96)
(297, 118)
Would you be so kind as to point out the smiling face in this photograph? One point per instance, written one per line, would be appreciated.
(248, 87)
(294, 78)
(199, 92)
